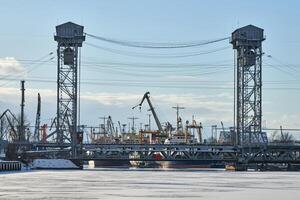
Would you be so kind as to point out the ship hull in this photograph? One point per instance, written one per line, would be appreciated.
(189, 164)
(110, 163)
(144, 164)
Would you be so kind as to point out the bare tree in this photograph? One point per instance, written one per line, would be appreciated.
(282, 137)
(286, 137)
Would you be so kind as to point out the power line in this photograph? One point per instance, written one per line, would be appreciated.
(153, 45)
(160, 81)
(33, 67)
(136, 54)
(133, 84)
(159, 73)
(136, 64)
(153, 65)
(294, 68)
(283, 70)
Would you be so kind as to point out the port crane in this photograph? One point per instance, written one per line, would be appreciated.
(11, 119)
(147, 97)
(110, 126)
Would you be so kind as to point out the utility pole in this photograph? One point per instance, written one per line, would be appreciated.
(133, 119)
(22, 128)
(177, 115)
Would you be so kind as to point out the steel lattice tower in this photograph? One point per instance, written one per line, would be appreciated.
(69, 37)
(247, 41)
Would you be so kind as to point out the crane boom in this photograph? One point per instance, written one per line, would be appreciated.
(146, 96)
(110, 126)
(11, 124)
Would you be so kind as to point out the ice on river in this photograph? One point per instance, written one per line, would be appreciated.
(144, 184)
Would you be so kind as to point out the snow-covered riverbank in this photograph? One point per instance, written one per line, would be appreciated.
(149, 184)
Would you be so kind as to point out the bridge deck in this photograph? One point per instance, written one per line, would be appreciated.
(271, 153)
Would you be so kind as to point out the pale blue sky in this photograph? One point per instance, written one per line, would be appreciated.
(27, 29)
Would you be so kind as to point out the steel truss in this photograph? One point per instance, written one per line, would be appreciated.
(276, 153)
(67, 85)
(218, 154)
(69, 37)
(248, 44)
(168, 152)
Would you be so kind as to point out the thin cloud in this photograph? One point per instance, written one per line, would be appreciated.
(10, 66)
(192, 101)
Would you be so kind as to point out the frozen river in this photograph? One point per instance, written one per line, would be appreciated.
(141, 184)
